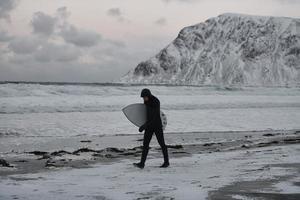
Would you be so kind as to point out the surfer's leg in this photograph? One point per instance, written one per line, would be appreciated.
(147, 138)
(161, 141)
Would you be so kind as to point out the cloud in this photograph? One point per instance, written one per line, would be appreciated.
(66, 52)
(117, 14)
(23, 45)
(42, 23)
(161, 21)
(115, 43)
(62, 13)
(184, 1)
(288, 1)
(5, 7)
(58, 26)
(79, 37)
(4, 36)
(57, 52)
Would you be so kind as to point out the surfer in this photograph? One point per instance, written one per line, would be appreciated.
(153, 125)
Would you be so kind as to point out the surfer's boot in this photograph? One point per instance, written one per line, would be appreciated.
(139, 165)
(165, 165)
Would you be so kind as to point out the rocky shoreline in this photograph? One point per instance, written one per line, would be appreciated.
(37, 160)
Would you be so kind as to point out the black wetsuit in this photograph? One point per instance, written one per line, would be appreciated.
(153, 125)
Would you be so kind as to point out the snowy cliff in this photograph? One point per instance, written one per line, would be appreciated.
(231, 49)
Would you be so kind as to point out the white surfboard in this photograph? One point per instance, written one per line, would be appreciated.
(137, 114)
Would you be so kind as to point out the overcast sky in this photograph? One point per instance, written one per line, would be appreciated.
(100, 40)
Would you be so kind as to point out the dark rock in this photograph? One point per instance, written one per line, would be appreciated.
(84, 150)
(292, 140)
(46, 156)
(145, 69)
(98, 155)
(109, 156)
(208, 144)
(115, 150)
(180, 152)
(51, 163)
(268, 134)
(4, 163)
(245, 146)
(22, 161)
(128, 154)
(85, 141)
(274, 142)
(177, 146)
(263, 144)
(38, 153)
(213, 177)
(137, 148)
(60, 153)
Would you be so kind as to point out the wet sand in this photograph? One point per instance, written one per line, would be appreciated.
(82, 152)
(260, 189)
(268, 172)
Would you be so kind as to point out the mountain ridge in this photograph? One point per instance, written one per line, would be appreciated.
(230, 49)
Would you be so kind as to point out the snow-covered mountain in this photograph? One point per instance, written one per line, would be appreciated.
(231, 49)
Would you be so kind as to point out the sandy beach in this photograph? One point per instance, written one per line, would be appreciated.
(236, 165)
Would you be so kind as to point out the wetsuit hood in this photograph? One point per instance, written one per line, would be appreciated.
(146, 93)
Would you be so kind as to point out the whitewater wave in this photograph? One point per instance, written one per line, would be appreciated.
(59, 110)
(37, 98)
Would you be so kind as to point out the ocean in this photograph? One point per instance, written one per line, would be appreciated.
(65, 109)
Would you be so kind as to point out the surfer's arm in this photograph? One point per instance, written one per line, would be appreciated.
(155, 112)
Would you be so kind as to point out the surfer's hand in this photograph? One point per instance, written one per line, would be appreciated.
(142, 128)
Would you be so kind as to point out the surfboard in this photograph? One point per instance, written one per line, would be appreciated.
(137, 114)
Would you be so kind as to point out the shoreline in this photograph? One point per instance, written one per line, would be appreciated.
(129, 84)
(270, 172)
(88, 151)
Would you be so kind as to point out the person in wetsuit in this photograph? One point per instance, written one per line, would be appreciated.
(152, 125)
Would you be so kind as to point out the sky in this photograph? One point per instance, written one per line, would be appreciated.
(101, 40)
